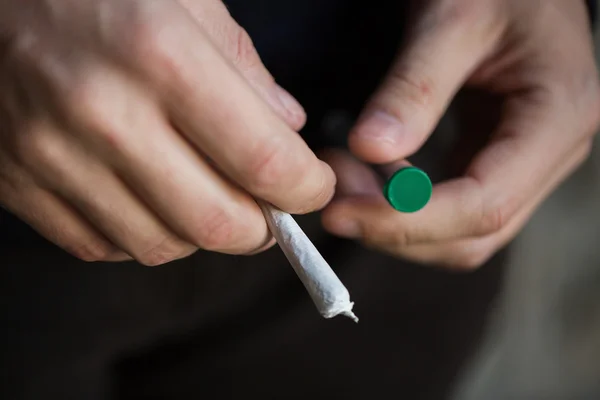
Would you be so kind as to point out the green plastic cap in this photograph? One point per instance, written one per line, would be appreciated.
(408, 190)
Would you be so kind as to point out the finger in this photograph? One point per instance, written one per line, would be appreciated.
(122, 217)
(354, 178)
(65, 168)
(446, 45)
(57, 222)
(236, 45)
(217, 110)
(122, 124)
(520, 158)
(355, 181)
(471, 253)
(387, 170)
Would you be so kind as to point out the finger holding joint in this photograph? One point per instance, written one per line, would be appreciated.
(282, 176)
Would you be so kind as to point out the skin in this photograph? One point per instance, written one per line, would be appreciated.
(536, 58)
(145, 129)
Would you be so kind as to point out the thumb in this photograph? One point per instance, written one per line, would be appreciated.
(443, 50)
(236, 46)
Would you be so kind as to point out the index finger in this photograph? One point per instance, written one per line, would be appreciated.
(218, 111)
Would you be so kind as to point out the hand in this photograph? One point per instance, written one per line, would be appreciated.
(143, 129)
(538, 57)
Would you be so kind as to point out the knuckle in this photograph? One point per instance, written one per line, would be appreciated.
(84, 98)
(492, 220)
(319, 198)
(417, 88)
(147, 39)
(315, 196)
(33, 147)
(215, 232)
(269, 166)
(275, 168)
(244, 53)
(144, 20)
(152, 39)
(166, 250)
(90, 107)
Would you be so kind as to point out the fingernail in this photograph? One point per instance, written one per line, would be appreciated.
(344, 227)
(288, 103)
(379, 126)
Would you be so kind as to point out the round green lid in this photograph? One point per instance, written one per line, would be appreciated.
(408, 190)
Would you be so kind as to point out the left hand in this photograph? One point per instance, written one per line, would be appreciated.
(538, 56)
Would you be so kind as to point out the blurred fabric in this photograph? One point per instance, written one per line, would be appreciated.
(543, 340)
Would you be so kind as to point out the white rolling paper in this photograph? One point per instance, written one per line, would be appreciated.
(324, 287)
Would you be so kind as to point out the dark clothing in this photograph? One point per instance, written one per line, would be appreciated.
(224, 327)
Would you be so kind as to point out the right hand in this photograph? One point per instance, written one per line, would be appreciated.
(144, 129)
